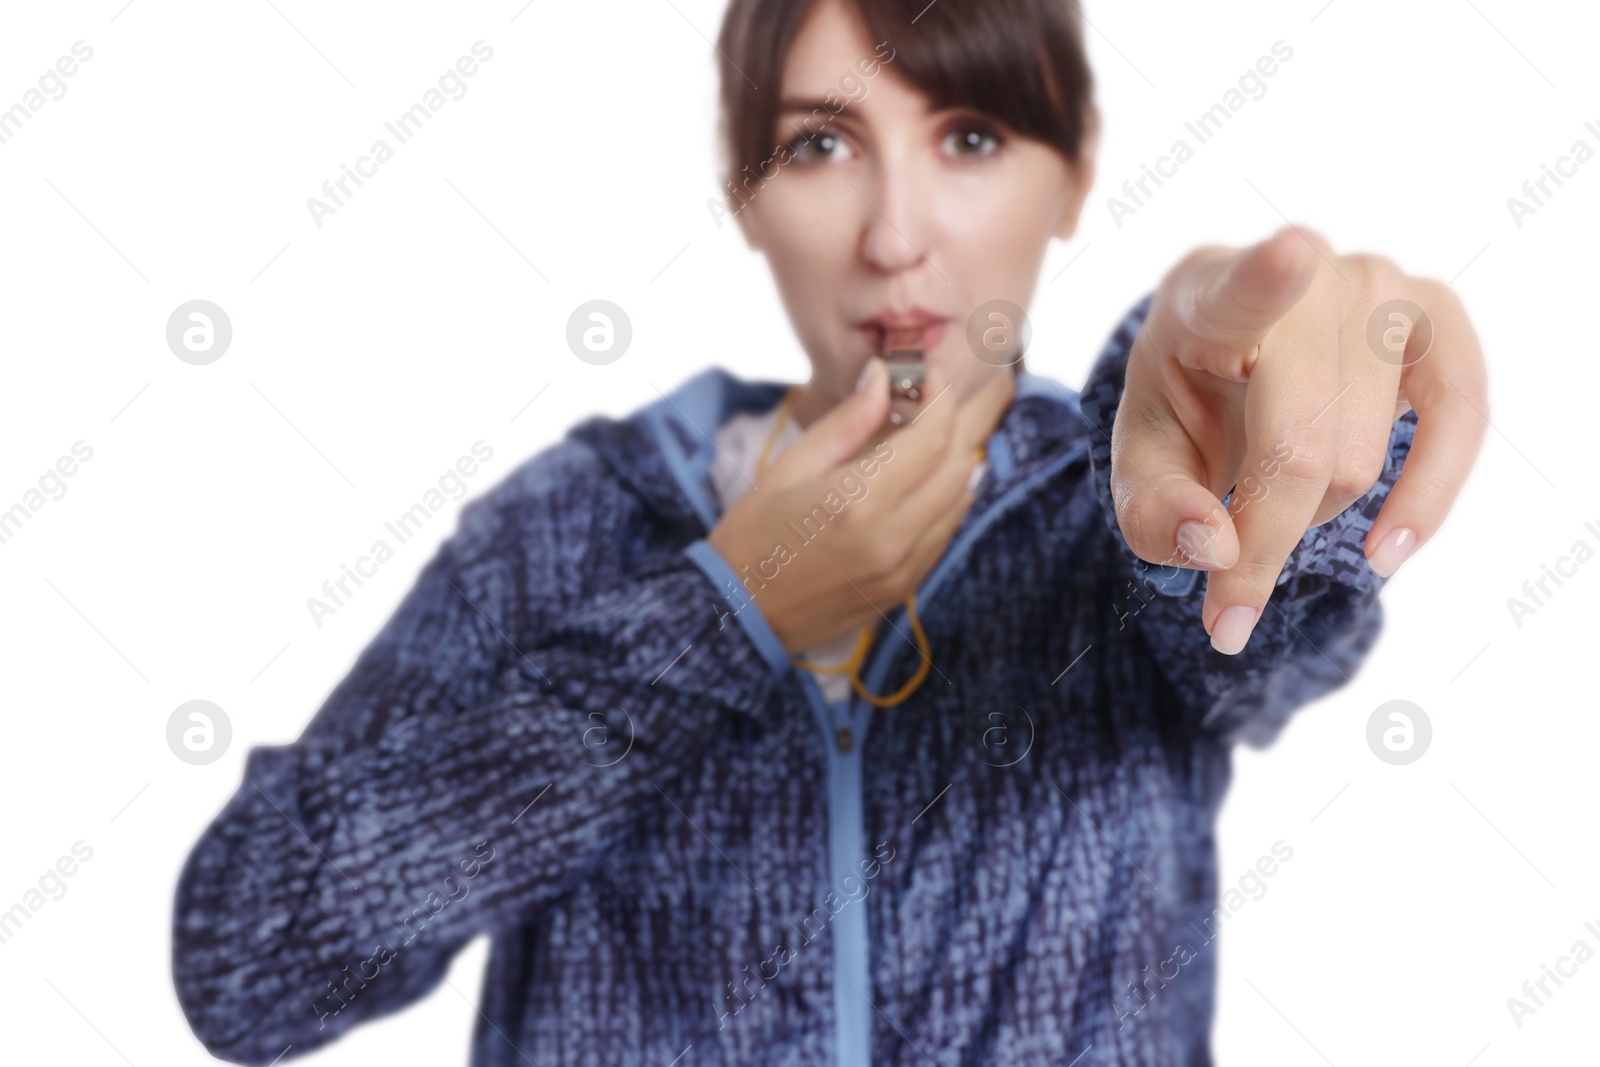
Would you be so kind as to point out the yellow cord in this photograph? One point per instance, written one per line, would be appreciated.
(777, 427)
(915, 680)
(864, 641)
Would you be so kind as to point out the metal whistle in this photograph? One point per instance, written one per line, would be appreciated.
(902, 351)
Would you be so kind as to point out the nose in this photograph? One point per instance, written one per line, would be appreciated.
(896, 205)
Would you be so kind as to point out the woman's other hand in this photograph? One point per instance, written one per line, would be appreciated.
(847, 521)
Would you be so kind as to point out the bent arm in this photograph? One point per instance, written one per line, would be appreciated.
(437, 795)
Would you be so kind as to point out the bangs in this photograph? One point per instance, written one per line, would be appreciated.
(1020, 62)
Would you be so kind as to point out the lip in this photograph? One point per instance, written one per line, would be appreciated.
(907, 318)
(931, 335)
(917, 320)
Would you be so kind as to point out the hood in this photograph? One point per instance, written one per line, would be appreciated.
(663, 451)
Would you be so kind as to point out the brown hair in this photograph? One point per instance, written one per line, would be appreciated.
(1020, 62)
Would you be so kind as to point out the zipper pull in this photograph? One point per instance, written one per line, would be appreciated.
(844, 738)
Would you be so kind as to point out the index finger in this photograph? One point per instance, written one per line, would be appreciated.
(1224, 303)
(1291, 433)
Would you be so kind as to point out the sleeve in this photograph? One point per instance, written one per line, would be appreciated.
(453, 784)
(1321, 620)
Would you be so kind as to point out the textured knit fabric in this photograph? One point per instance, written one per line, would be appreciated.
(569, 739)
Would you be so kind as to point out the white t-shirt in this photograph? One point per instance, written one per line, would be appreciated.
(733, 471)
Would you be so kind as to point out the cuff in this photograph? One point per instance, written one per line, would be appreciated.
(741, 607)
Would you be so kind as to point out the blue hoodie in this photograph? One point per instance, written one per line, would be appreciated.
(578, 735)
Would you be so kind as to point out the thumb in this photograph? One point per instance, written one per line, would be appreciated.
(1167, 515)
(841, 433)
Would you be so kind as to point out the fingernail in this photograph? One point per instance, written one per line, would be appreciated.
(1393, 550)
(868, 373)
(1232, 629)
(1199, 542)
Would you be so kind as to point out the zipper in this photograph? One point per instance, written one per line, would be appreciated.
(840, 723)
(850, 719)
(844, 724)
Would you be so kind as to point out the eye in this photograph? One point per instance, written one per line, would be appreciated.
(819, 147)
(972, 140)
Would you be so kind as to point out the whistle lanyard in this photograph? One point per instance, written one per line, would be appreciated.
(852, 664)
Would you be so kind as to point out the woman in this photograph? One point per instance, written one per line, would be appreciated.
(915, 753)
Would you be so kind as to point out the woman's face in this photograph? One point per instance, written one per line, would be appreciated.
(893, 209)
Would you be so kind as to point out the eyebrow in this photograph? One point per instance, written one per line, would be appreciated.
(808, 105)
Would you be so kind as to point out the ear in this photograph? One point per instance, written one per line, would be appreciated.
(1081, 174)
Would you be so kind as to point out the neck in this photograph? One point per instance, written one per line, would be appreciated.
(811, 404)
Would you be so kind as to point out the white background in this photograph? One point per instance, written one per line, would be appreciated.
(370, 353)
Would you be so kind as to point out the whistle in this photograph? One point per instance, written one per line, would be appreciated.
(902, 351)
